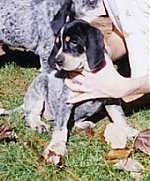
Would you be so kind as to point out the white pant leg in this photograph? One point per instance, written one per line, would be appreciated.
(133, 20)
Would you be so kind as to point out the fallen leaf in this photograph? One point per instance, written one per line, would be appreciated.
(133, 166)
(89, 133)
(130, 165)
(102, 138)
(7, 133)
(112, 161)
(39, 141)
(118, 154)
(142, 142)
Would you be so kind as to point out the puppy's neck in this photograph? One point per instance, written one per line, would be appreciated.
(73, 74)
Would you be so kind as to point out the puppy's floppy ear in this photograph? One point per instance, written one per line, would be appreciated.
(65, 14)
(95, 48)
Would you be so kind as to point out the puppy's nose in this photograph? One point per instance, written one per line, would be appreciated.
(60, 60)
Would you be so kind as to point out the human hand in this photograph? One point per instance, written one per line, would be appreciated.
(105, 83)
(89, 85)
(83, 86)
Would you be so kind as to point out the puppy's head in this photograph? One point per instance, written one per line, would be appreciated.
(78, 46)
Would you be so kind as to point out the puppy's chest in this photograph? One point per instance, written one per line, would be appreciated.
(57, 90)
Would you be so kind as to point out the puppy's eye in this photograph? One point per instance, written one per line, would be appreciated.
(73, 43)
(67, 39)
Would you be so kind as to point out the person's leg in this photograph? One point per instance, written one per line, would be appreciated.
(134, 17)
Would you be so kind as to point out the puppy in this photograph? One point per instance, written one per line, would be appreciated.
(78, 46)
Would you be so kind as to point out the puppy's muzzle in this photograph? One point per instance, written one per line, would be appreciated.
(59, 60)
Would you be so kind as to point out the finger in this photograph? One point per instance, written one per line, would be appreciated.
(79, 79)
(86, 74)
(75, 86)
(132, 97)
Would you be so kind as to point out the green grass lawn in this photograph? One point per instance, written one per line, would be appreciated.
(85, 160)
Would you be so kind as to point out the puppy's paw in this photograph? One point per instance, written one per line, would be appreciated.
(54, 153)
(39, 126)
(84, 125)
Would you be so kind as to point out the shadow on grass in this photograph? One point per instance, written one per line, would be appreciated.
(26, 59)
(137, 105)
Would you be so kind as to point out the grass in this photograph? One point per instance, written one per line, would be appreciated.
(85, 160)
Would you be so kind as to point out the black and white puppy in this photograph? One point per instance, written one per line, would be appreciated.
(78, 46)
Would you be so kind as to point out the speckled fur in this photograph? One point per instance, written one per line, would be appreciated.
(52, 91)
(26, 23)
(49, 93)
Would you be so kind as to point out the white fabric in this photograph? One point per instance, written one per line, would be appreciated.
(132, 17)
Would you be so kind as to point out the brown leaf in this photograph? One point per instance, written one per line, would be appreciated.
(134, 167)
(89, 133)
(7, 133)
(130, 165)
(102, 138)
(39, 141)
(118, 154)
(142, 142)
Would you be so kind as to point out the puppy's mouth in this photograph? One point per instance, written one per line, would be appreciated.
(76, 66)
(80, 67)
(71, 63)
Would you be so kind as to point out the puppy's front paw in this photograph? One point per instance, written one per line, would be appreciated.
(54, 153)
(39, 126)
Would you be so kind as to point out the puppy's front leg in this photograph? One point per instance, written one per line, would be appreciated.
(33, 117)
(57, 146)
(34, 104)
(62, 112)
